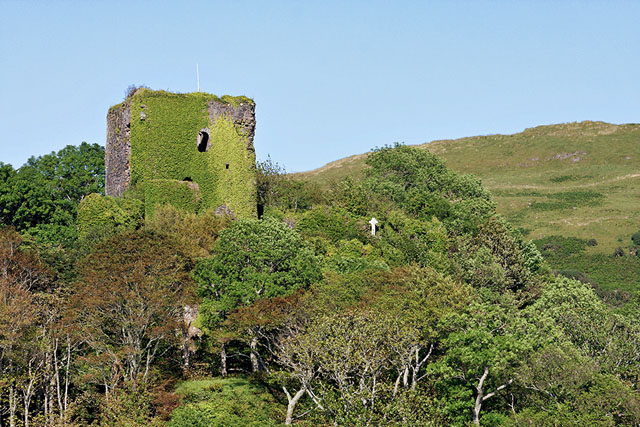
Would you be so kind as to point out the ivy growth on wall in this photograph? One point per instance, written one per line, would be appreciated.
(164, 146)
(183, 195)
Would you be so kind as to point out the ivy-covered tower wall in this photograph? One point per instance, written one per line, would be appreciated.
(192, 150)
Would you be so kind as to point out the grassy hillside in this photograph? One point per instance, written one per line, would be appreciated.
(576, 180)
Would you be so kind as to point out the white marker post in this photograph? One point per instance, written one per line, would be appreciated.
(198, 77)
(373, 223)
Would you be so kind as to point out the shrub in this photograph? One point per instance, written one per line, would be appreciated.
(103, 215)
(569, 199)
(560, 246)
(227, 402)
(332, 224)
(576, 275)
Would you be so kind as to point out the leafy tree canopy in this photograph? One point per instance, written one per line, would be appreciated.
(129, 302)
(420, 183)
(255, 259)
(42, 196)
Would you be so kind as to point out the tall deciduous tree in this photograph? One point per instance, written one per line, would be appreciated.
(611, 339)
(486, 344)
(253, 260)
(24, 324)
(42, 196)
(128, 304)
(420, 183)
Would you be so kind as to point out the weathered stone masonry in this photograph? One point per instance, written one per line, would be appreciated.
(118, 150)
(219, 159)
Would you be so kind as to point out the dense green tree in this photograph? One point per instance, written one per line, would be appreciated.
(350, 256)
(406, 240)
(601, 400)
(485, 345)
(252, 259)
(610, 339)
(354, 196)
(332, 224)
(496, 257)
(360, 363)
(42, 196)
(269, 178)
(278, 190)
(255, 259)
(420, 183)
(419, 299)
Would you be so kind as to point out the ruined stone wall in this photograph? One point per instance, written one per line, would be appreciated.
(157, 136)
(243, 116)
(118, 150)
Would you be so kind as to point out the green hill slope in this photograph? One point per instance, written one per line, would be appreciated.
(575, 180)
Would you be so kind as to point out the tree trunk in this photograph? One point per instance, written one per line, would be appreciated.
(223, 360)
(51, 389)
(253, 345)
(66, 378)
(405, 378)
(396, 385)
(479, 396)
(26, 400)
(292, 403)
(27, 394)
(56, 372)
(186, 354)
(13, 405)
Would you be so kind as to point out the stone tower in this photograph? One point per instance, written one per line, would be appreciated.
(192, 150)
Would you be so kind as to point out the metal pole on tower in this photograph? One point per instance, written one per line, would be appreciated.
(198, 77)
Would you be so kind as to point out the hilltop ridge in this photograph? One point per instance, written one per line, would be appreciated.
(579, 179)
(569, 132)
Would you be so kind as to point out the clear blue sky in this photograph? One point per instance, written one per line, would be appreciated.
(330, 78)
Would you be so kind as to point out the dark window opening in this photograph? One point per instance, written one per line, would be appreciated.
(203, 140)
(227, 166)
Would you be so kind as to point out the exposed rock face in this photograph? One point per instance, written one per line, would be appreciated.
(118, 150)
(190, 334)
(190, 314)
(223, 210)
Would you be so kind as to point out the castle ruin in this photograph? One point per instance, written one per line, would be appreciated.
(194, 151)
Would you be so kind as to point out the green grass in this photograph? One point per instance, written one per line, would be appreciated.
(569, 254)
(226, 402)
(577, 180)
